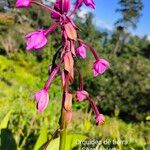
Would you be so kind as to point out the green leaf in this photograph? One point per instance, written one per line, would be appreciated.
(87, 124)
(72, 141)
(42, 138)
(4, 122)
(148, 118)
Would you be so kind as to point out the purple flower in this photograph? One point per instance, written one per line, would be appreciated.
(23, 3)
(61, 8)
(100, 119)
(36, 40)
(42, 99)
(66, 6)
(89, 3)
(57, 7)
(81, 51)
(100, 66)
(81, 95)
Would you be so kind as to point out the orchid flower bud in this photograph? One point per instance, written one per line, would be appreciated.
(100, 66)
(89, 3)
(57, 7)
(81, 95)
(42, 99)
(23, 3)
(81, 51)
(61, 7)
(66, 6)
(100, 119)
(36, 40)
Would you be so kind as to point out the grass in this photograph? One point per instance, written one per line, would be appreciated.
(20, 78)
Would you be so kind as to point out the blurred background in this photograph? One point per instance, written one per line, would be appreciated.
(120, 31)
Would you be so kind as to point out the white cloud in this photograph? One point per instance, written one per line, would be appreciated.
(82, 13)
(53, 1)
(103, 24)
(148, 37)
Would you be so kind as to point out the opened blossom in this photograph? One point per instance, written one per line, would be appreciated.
(42, 99)
(100, 66)
(81, 95)
(81, 51)
(23, 3)
(36, 40)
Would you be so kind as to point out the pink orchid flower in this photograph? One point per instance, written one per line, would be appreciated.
(61, 8)
(100, 66)
(100, 119)
(81, 95)
(89, 3)
(42, 99)
(81, 51)
(36, 40)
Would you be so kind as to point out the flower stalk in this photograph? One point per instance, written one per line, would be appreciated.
(63, 126)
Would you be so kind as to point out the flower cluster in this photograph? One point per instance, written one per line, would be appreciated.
(72, 46)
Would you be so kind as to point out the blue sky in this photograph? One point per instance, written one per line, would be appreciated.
(105, 16)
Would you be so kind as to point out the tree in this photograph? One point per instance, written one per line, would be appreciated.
(130, 13)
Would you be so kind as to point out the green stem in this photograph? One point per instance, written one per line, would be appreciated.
(63, 126)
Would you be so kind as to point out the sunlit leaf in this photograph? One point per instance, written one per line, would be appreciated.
(5, 121)
(72, 141)
(42, 138)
